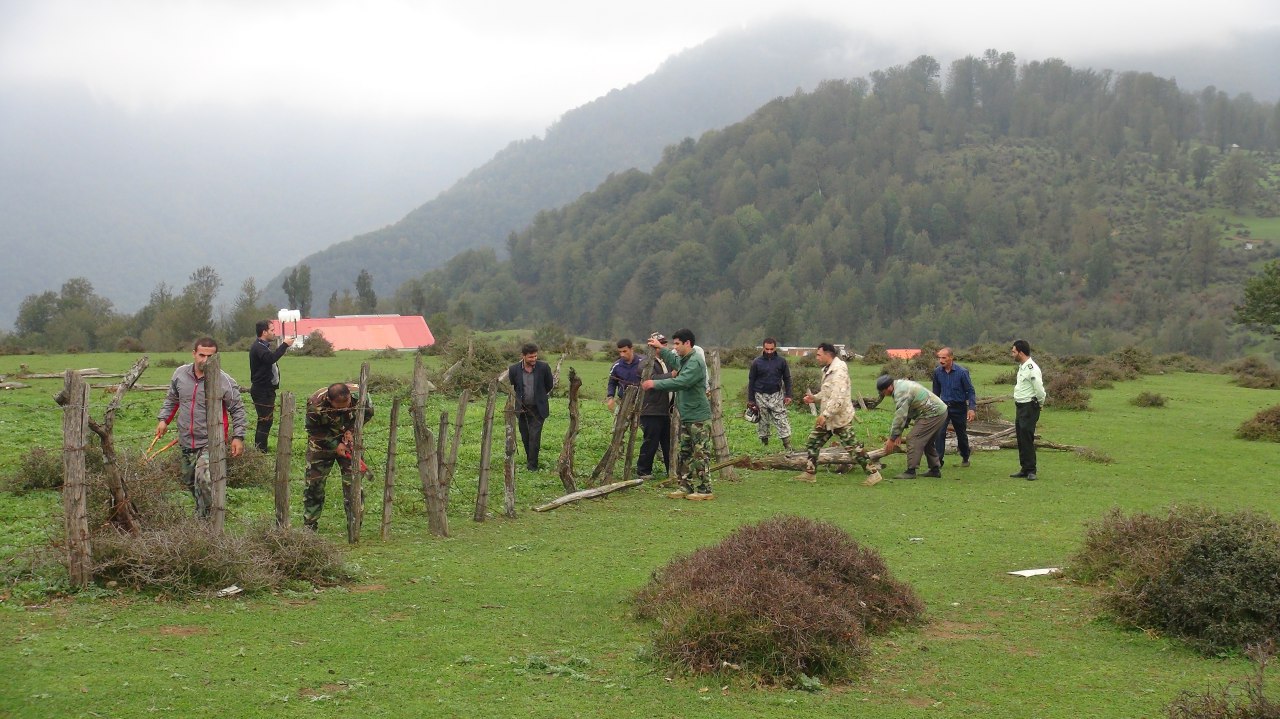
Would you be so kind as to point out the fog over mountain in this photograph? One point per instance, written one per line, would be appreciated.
(129, 200)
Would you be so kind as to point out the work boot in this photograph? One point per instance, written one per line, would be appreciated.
(909, 474)
(764, 440)
(311, 524)
(1031, 476)
(964, 463)
(936, 473)
(1018, 475)
(684, 490)
(786, 443)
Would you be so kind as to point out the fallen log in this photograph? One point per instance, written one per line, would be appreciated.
(588, 493)
(13, 385)
(135, 388)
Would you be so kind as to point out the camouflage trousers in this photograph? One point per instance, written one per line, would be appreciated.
(197, 479)
(319, 463)
(773, 412)
(695, 456)
(845, 437)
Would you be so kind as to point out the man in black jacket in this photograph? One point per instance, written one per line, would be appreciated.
(769, 392)
(532, 382)
(264, 378)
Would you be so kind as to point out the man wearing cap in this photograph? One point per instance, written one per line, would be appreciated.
(925, 412)
(1028, 396)
(689, 385)
(952, 384)
(836, 417)
(769, 392)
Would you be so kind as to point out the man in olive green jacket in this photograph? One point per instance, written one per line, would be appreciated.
(689, 384)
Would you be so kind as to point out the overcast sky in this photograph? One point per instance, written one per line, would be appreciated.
(511, 59)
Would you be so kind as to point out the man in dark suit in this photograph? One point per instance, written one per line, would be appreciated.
(531, 380)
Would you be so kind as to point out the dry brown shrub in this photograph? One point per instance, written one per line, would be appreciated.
(1262, 427)
(189, 558)
(1066, 390)
(788, 600)
(1253, 373)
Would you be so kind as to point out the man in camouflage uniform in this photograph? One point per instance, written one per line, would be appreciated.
(927, 415)
(690, 386)
(836, 417)
(331, 423)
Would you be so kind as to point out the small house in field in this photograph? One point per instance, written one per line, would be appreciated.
(364, 332)
(903, 354)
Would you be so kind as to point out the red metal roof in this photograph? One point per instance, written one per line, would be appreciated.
(366, 332)
(902, 353)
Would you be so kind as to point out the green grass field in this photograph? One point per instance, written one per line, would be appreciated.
(530, 617)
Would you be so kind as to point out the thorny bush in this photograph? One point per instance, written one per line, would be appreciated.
(1263, 426)
(787, 600)
(1209, 578)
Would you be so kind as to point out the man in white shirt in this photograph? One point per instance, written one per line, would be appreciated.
(1028, 396)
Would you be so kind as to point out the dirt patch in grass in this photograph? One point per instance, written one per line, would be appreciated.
(177, 630)
(952, 630)
(366, 588)
(322, 691)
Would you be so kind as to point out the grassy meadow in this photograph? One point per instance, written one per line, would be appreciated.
(530, 617)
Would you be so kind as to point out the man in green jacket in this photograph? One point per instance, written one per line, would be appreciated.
(689, 384)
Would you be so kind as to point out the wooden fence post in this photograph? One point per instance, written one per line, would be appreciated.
(718, 439)
(604, 468)
(284, 457)
(353, 501)
(216, 449)
(451, 463)
(486, 454)
(564, 464)
(389, 480)
(425, 445)
(509, 460)
(75, 428)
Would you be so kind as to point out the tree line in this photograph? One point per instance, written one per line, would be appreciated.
(1082, 207)
(77, 319)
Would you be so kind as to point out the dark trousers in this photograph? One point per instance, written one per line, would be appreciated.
(264, 403)
(1025, 419)
(531, 435)
(657, 435)
(958, 417)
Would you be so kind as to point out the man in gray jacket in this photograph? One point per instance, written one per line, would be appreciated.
(185, 401)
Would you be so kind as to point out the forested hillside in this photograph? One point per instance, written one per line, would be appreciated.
(712, 85)
(1080, 208)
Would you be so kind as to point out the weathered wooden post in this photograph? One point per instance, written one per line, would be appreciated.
(564, 464)
(718, 439)
(217, 447)
(451, 464)
(425, 445)
(440, 482)
(75, 427)
(389, 479)
(509, 460)
(354, 500)
(486, 454)
(604, 468)
(284, 457)
(645, 373)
